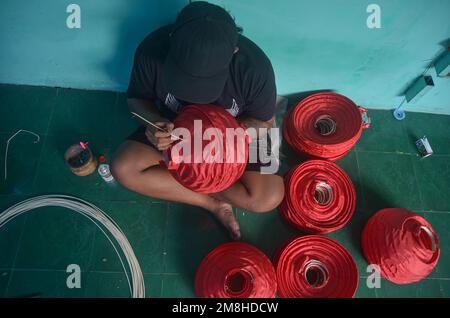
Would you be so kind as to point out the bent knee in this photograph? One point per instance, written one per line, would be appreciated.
(122, 170)
(269, 200)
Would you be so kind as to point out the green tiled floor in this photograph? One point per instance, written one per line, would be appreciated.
(170, 239)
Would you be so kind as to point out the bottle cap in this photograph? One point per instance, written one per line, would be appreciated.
(83, 145)
(102, 158)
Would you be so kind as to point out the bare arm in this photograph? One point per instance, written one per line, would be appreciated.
(250, 122)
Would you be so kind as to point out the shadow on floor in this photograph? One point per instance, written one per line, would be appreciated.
(198, 232)
(412, 137)
(362, 216)
(295, 98)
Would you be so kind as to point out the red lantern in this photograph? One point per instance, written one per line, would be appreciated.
(320, 197)
(210, 161)
(402, 244)
(235, 270)
(324, 126)
(315, 266)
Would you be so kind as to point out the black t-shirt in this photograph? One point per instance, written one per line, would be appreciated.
(250, 89)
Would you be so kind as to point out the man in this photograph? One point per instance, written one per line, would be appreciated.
(201, 59)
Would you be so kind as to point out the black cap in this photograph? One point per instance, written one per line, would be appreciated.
(202, 44)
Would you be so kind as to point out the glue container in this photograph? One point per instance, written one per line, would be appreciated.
(80, 159)
(104, 171)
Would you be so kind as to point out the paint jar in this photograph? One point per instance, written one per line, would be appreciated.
(80, 160)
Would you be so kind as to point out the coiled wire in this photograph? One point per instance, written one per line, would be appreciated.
(99, 218)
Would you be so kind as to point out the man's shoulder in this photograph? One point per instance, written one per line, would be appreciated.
(156, 44)
(250, 60)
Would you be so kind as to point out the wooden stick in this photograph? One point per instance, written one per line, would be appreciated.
(156, 126)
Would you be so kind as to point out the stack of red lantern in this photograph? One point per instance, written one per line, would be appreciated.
(319, 197)
(324, 126)
(315, 266)
(235, 270)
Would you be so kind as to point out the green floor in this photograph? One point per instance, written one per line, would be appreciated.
(170, 239)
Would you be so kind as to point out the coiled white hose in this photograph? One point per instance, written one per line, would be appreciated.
(98, 217)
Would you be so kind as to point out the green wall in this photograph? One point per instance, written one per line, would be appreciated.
(326, 44)
(314, 44)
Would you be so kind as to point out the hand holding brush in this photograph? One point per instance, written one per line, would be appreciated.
(161, 139)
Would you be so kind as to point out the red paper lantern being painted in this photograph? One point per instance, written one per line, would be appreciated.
(235, 270)
(320, 197)
(324, 126)
(315, 266)
(207, 160)
(402, 244)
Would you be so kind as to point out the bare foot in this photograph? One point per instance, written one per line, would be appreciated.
(224, 213)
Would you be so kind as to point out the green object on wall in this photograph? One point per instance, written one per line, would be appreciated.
(442, 65)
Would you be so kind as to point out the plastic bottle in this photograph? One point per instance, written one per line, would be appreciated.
(104, 171)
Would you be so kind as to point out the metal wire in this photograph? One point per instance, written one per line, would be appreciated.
(99, 218)
(7, 146)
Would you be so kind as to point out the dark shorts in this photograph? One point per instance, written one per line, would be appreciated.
(139, 136)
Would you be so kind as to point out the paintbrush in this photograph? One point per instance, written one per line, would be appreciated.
(156, 126)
